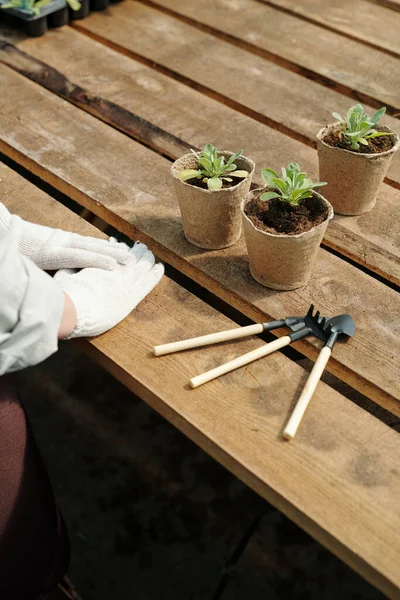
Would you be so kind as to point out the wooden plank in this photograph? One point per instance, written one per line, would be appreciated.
(135, 105)
(296, 106)
(129, 186)
(338, 481)
(371, 24)
(393, 4)
(296, 44)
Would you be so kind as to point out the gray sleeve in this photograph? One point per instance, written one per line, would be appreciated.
(31, 307)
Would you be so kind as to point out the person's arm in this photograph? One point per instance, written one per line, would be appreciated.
(33, 310)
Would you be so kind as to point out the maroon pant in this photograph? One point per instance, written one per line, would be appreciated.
(34, 546)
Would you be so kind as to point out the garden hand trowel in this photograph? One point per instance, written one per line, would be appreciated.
(340, 325)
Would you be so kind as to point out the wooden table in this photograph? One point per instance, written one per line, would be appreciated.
(99, 109)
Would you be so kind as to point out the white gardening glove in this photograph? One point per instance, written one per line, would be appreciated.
(103, 298)
(52, 249)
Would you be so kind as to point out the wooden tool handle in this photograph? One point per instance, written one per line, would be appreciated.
(240, 361)
(205, 340)
(306, 395)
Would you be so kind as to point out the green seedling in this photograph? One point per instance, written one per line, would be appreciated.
(293, 187)
(34, 5)
(358, 127)
(213, 169)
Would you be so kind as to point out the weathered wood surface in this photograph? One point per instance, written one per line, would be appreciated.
(370, 24)
(393, 4)
(128, 185)
(303, 47)
(339, 480)
(296, 106)
(148, 106)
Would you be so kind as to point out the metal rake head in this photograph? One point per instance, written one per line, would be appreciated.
(316, 323)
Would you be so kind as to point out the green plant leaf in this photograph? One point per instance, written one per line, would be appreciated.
(378, 134)
(267, 174)
(214, 183)
(304, 195)
(293, 167)
(205, 163)
(219, 163)
(74, 4)
(317, 184)
(362, 141)
(242, 174)
(234, 157)
(269, 196)
(228, 179)
(210, 150)
(378, 115)
(279, 183)
(336, 116)
(305, 183)
(189, 174)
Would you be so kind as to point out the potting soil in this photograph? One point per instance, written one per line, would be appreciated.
(276, 216)
(375, 145)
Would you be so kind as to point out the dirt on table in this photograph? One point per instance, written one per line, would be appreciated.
(375, 145)
(276, 216)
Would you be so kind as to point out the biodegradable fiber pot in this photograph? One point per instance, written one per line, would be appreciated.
(353, 178)
(211, 219)
(282, 261)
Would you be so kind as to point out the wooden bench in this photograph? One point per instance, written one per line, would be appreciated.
(102, 122)
(128, 186)
(340, 480)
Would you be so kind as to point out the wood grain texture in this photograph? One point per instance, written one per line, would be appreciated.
(148, 106)
(296, 106)
(113, 176)
(338, 482)
(370, 24)
(298, 45)
(393, 4)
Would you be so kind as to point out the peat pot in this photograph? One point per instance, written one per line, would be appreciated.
(282, 261)
(353, 178)
(211, 219)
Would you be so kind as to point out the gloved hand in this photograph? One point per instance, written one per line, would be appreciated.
(104, 298)
(53, 249)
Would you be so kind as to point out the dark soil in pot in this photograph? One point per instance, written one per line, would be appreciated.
(375, 145)
(275, 216)
(225, 184)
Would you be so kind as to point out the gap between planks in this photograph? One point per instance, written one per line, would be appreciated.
(392, 4)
